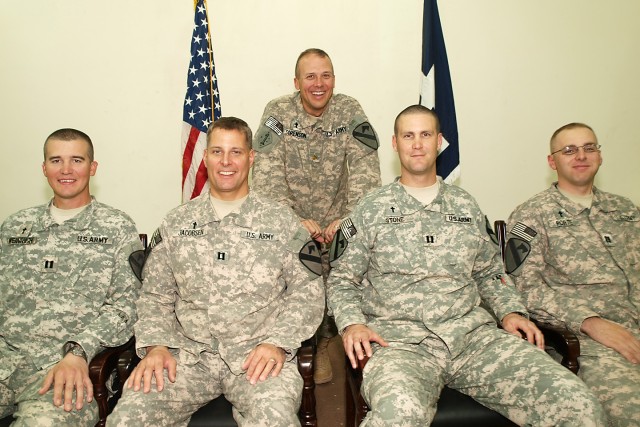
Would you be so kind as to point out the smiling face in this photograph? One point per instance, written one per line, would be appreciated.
(68, 168)
(417, 141)
(228, 159)
(576, 172)
(315, 81)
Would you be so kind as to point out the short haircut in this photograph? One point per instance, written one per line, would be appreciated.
(231, 123)
(68, 134)
(416, 109)
(312, 51)
(569, 126)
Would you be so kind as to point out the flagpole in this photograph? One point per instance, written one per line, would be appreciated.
(210, 52)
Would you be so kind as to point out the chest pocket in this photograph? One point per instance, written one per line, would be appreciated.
(454, 250)
(398, 247)
(253, 268)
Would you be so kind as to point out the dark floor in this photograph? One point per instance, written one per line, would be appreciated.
(330, 397)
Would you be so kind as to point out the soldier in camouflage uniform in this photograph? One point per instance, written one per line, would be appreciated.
(316, 153)
(67, 291)
(574, 252)
(230, 291)
(411, 267)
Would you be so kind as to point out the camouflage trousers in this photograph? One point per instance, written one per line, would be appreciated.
(273, 402)
(19, 396)
(402, 383)
(614, 380)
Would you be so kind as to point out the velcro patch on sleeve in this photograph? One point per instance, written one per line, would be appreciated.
(348, 229)
(338, 246)
(309, 256)
(136, 261)
(524, 232)
(155, 240)
(490, 231)
(365, 133)
(273, 124)
(516, 252)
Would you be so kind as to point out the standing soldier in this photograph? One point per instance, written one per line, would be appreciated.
(316, 153)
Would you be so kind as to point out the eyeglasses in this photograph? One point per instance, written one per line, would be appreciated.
(571, 150)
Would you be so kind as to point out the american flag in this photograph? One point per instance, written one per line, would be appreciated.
(436, 91)
(201, 106)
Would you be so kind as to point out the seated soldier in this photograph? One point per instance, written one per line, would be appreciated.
(231, 288)
(573, 251)
(411, 267)
(67, 291)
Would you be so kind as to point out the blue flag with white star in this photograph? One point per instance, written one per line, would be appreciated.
(436, 91)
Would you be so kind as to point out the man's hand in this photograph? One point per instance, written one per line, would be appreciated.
(264, 359)
(521, 327)
(71, 373)
(158, 359)
(314, 229)
(357, 341)
(331, 230)
(613, 335)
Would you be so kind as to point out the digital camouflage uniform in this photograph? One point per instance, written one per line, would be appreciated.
(214, 290)
(60, 283)
(572, 263)
(416, 275)
(319, 166)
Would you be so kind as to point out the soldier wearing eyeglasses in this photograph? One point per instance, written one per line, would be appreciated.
(574, 252)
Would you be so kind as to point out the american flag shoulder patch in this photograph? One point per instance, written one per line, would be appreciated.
(348, 229)
(524, 232)
(273, 124)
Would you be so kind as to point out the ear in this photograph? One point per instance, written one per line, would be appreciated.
(93, 168)
(552, 162)
(44, 170)
(439, 141)
(394, 143)
(252, 155)
(296, 83)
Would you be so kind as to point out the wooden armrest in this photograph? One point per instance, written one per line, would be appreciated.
(307, 411)
(100, 369)
(564, 342)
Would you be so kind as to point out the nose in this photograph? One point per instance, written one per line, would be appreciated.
(66, 167)
(581, 154)
(225, 159)
(417, 143)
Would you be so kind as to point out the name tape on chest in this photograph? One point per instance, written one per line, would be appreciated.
(394, 220)
(257, 235)
(190, 232)
(19, 240)
(100, 240)
(458, 219)
(560, 222)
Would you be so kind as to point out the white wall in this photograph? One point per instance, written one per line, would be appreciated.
(117, 69)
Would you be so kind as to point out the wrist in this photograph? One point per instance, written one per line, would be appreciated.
(75, 349)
